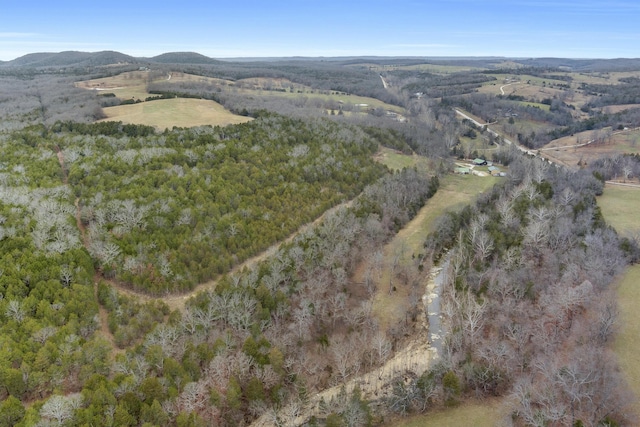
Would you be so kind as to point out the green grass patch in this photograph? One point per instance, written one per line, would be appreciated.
(456, 191)
(478, 414)
(620, 207)
(627, 345)
(544, 107)
(180, 112)
(398, 161)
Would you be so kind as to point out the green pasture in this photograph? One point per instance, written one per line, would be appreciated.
(181, 112)
(544, 107)
(397, 161)
(455, 192)
(620, 206)
(627, 345)
(487, 413)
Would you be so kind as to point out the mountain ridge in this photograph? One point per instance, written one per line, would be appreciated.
(108, 57)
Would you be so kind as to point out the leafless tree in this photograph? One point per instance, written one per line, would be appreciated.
(61, 408)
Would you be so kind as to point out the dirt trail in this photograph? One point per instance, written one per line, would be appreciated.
(178, 301)
(416, 357)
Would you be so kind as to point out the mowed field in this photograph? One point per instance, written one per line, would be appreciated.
(181, 112)
(162, 113)
(620, 206)
(187, 112)
(487, 413)
(563, 150)
(455, 192)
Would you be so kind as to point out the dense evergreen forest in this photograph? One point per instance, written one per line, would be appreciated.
(100, 221)
(165, 212)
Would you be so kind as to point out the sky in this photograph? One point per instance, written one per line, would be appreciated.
(268, 28)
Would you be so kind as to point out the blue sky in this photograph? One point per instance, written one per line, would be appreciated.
(222, 29)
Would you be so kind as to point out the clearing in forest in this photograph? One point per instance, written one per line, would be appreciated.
(565, 150)
(180, 112)
(485, 413)
(162, 113)
(619, 206)
(455, 192)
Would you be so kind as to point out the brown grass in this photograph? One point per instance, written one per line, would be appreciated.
(627, 345)
(181, 112)
(486, 413)
(620, 206)
(621, 142)
(456, 191)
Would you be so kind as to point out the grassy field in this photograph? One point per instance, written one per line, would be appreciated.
(627, 345)
(181, 112)
(397, 161)
(164, 113)
(481, 414)
(620, 206)
(456, 191)
(625, 142)
(192, 112)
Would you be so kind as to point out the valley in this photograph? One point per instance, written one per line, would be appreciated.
(186, 242)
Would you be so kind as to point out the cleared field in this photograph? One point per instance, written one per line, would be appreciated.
(562, 150)
(397, 161)
(133, 84)
(167, 113)
(603, 78)
(429, 68)
(626, 345)
(620, 207)
(481, 414)
(544, 107)
(456, 191)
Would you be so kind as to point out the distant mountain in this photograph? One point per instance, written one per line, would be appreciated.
(70, 58)
(183, 58)
(103, 58)
(617, 64)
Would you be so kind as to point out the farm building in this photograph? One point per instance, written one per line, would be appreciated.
(463, 171)
(479, 162)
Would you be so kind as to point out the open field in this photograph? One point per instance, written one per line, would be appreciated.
(626, 345)
(622, 142)
(478, 414)
(620, 207)
(397, 161)
(193, 112)
(455, 192)
(133, 84)
(163, 113)
(429, 68)
(181, 112)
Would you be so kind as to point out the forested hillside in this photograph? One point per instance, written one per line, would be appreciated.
(235, 352)
(529, 305)
(165, 212)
